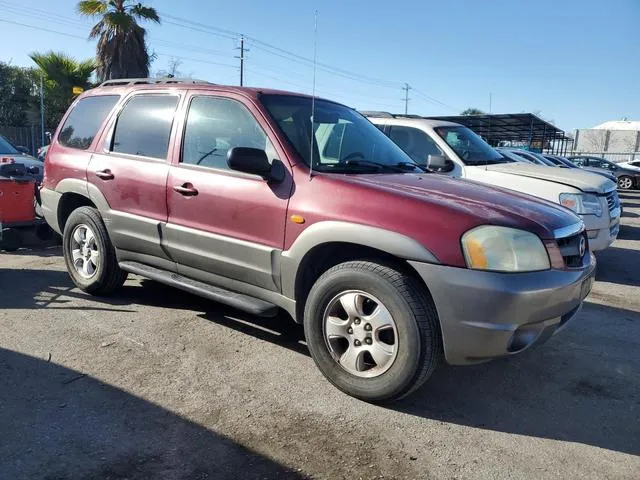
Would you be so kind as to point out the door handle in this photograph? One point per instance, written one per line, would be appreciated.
(104, 174)
(186, 189)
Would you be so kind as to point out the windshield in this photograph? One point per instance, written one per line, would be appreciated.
(514, 156)
(471, 149)
(343, 142)
(7, 148)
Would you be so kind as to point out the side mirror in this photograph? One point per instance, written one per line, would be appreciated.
(48, 136)
(439, 163)
(22, 149)
(255, 162)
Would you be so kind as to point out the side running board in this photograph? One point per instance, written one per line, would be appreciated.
(240, 301)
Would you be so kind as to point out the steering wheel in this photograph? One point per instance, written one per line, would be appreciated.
(353, 155)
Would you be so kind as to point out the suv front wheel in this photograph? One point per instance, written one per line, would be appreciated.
(89, 255)
(372, 330)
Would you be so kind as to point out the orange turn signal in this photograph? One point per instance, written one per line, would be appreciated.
(297, 218)
(475, 255)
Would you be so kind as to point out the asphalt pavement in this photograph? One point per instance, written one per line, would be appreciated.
(157, 383)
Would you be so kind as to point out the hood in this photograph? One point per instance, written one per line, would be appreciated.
(28, 161)
(600, 171)
(572, 177)
(486, 204)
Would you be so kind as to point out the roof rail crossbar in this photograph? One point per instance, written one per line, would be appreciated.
(150, 81)
(377, 114)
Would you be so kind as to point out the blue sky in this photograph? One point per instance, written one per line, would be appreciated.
(576, 62)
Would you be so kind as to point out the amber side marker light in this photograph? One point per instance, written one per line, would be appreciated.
(297, 218)
(555, 256)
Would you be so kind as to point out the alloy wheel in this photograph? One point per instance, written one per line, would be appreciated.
(84, 251)
(360, 333)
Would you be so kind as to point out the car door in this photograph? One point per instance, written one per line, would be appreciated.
(224, 225)
(131, 173)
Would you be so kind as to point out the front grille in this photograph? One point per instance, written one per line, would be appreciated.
(613, 201)
(570, 249)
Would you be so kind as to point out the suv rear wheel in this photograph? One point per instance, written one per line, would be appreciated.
(89, 255)
(372, 330)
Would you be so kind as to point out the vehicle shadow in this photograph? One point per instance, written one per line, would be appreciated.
(563, 391)
(619, 265)
(52, 289)
(629, 232)
(57, 423)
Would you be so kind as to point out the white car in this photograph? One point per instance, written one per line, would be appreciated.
(632, 165)
(455, 150)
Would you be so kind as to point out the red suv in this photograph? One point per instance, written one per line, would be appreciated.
(267, 200)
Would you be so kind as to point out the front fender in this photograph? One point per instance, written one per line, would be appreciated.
(390, 242)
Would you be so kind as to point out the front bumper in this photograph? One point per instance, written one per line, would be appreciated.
(485, 315)
(602, 231)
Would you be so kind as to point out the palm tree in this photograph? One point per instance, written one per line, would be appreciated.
(122, 49)
(60, 74)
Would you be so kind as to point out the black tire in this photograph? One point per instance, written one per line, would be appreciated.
(624, 179)
(108, 276)
(11, 240)
(419, 349)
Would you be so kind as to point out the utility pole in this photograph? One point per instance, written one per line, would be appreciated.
(41, 110)
(406, 89)
(241, 57)
(490, 101)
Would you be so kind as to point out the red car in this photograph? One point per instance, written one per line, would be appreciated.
(268, 200)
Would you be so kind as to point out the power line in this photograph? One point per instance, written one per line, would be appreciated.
(434, 101)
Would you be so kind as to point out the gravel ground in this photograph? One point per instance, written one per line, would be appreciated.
(156, 383)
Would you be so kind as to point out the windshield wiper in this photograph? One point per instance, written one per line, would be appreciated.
(379, 166)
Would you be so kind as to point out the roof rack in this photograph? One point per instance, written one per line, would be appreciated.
(389, 115)
(377, 114)
(150, 81)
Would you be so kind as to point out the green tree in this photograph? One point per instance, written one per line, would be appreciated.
(122, 48)
(472, 111)
(17, 95)
(61, 73)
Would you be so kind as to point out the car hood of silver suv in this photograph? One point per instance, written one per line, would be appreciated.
(585, 181)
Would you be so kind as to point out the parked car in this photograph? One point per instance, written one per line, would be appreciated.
(533, 157)
(632, 164)
(627, 177)
(456, 151)
(215, 190)
(11, 154)
(563, 162)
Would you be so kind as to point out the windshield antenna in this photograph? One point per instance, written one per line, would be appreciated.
(313, 90)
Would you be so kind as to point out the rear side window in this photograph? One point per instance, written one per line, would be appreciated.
(144, 126)
(85, 119)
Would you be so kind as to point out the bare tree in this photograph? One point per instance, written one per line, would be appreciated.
(173, 69)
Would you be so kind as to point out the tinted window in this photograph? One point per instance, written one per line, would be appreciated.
(6, 147)
(579, 161)
(417, 144)
(215, 126)
(596, 162)
(83, 122)
(144, 126)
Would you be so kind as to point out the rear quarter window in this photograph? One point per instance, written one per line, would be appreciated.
(82, 124)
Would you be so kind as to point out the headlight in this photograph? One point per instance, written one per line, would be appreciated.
(504, 249)
(582, 203)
